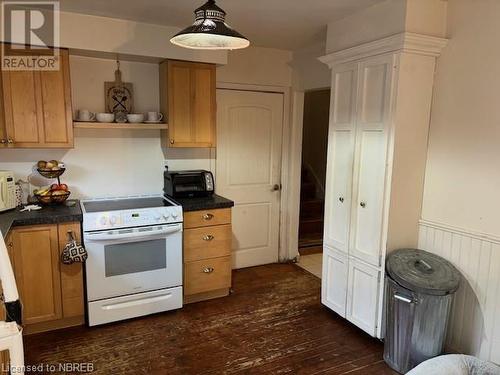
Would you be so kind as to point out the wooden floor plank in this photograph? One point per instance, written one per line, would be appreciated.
(273, 323)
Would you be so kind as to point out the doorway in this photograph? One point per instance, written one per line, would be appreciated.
(248, 171)
(313, 176)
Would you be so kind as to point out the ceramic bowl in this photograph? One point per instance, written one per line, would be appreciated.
(135, 117)
(105, 117)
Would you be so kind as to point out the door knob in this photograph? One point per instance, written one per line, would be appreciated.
(341, 199)
(362, 204)
(276, 187)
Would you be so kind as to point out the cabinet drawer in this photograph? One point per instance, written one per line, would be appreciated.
(205, 275)
(204, 218)
(207, 242)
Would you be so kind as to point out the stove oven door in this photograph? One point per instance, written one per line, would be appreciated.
(133, 260)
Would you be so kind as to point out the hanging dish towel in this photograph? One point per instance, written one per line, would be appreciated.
(73, 252)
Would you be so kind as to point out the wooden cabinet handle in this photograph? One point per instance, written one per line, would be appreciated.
(208, 270)
(208, 237)
(208, 217)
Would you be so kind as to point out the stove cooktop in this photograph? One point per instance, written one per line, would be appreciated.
(125, 204)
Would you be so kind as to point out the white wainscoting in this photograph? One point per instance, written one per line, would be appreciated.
(475, 318)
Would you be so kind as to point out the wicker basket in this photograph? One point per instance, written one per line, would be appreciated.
(49, 199)
(49, 173)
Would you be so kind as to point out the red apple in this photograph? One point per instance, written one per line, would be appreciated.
(54, 187)
(63, 187)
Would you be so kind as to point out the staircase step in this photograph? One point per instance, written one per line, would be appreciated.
(314, 239)
(307, 190)
(314, 208)
(310, 226)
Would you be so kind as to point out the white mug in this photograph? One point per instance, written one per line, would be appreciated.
(86, 115)
(155, 116)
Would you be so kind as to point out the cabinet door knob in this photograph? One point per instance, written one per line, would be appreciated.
(362, 204)
(10, 141)
(208, 237)
(341, 199)
(171, 141)
(208, 270)
(208, 217)
(3, 141)
(276, 187)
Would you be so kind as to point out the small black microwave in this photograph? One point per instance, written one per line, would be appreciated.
(181, 184)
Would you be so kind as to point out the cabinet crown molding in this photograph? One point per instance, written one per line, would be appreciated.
(407, 42)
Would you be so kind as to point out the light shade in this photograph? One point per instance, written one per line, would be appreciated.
(210, 31)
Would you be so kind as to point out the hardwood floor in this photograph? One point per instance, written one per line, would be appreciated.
(273, 323)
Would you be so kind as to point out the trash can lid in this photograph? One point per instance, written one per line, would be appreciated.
(422, 272)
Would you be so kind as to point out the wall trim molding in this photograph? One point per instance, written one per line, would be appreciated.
(470, 233)
(406, 42)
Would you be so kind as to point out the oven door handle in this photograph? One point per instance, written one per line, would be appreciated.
(135, 234)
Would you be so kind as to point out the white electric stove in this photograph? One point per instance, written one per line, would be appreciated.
(134, 266)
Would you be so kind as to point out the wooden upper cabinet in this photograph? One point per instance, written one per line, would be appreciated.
(187, 93)
(36, 108)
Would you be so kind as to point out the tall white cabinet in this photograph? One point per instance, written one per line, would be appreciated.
(377, 146)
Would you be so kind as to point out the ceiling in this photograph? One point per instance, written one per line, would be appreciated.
(286, 24)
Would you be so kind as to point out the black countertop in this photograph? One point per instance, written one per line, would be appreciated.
(204, 203)
(47, 215)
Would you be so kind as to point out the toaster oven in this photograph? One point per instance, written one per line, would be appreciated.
(182, 184)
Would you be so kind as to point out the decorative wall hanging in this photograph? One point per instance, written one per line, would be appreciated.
(118, 96)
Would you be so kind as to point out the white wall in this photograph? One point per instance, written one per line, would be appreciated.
(257, 66)
(308, 72)
(124, 162)
(385, 19)
(463, 175)
(104, 34)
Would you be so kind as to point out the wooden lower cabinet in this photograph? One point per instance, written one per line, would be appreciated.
(207, 254)
(50, 291)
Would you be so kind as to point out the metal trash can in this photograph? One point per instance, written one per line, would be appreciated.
(419, 292)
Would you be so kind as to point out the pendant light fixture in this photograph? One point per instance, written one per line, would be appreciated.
(210, 31)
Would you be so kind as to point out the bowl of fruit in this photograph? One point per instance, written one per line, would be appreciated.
(50, 169)
(55, 194)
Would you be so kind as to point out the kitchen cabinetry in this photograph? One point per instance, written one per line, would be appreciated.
(51, 292)
(187, 95)
(35, 107)
(377, 144)
(207, 254)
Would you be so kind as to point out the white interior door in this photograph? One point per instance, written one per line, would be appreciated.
(340, 157)
(248, 168)
(373, 116)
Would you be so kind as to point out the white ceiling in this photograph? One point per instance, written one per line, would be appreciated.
(286, 24)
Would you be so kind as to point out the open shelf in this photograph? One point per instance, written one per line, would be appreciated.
(117, 125)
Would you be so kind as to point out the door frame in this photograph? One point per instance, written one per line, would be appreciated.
(291, 155)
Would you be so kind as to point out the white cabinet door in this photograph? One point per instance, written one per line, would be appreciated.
(340, 157)
(372, 127)
(334, 281)
(363, 293)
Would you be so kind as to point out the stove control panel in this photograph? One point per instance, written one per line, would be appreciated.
(132, 218)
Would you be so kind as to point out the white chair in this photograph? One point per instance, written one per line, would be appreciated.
(11, 335)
